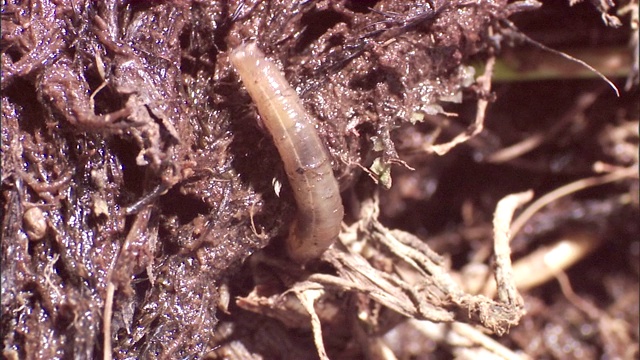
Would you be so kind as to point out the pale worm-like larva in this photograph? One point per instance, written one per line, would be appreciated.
(305, 158)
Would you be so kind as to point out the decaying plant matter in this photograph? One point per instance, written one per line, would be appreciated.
(145, 209)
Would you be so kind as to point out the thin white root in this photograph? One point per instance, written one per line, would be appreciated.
(478, 125)
(307, 298)
(547, 262)
(106, 321)
(507, 292)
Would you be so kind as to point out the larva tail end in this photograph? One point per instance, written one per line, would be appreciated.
(301, 250)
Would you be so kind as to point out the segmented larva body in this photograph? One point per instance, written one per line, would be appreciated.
(305, 158)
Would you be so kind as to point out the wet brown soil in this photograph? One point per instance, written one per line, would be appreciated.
(139, 204)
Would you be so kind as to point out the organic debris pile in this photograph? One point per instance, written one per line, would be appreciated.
(145, 208)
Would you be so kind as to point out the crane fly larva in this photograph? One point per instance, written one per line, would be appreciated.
(305, 158)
